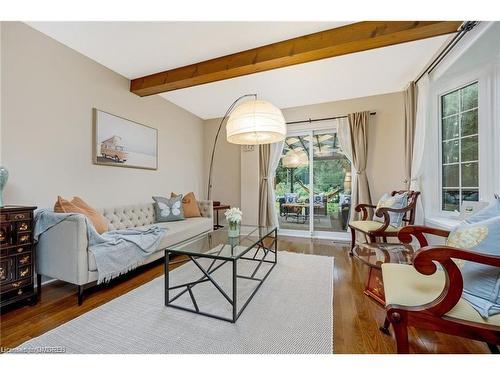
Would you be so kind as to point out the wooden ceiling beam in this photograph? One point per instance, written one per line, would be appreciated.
(357, 37)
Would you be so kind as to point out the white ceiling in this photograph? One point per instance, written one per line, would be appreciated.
(134, 49)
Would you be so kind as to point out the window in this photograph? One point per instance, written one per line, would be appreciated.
(459, 147)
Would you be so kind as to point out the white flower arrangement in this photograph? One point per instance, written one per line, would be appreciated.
(233, 215)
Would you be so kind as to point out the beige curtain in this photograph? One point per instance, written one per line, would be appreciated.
(264, 156)
(269, 158)
(358, 127)
(410, 97)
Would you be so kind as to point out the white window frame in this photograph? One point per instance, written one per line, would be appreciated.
(489, 178)
(441, 161)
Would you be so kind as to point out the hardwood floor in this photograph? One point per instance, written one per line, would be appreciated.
(356, 317)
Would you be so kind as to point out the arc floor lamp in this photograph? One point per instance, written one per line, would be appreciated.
(253, 122)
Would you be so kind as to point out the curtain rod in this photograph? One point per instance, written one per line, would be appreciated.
(322, 119)
(464, 28)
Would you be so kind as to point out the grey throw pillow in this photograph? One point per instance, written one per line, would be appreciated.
(397, 201)
(168, 209)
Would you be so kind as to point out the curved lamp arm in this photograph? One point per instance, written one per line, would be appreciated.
(231, 107)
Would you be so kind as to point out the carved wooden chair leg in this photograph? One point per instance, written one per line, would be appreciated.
(400, 327)
(493, 348)
(353, 241)
(385, 327)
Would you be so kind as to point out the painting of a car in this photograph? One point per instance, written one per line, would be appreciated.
(119, 142)
(112, 149)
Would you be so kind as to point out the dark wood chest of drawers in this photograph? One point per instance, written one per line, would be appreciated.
(17, 255)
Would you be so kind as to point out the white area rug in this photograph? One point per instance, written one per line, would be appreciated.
(292, 312)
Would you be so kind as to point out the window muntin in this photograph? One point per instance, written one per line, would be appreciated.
(459, 147)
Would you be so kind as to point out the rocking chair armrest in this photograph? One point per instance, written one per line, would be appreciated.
(363, 207)
(424, 262)
(405, 234)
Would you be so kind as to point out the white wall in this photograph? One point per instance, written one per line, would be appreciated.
(250, 186)
(1, 27)
(48, 91)
(226, 170)
(475, 58)
(385, 167)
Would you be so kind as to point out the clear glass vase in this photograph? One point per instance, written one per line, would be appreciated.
(233, 229)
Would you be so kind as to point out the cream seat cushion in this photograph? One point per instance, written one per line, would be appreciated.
(404, 285)
(370, 225)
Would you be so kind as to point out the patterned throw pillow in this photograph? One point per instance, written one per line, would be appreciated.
(481, 282)
(168, 209)
(396, 201)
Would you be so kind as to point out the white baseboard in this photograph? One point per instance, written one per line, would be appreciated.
(333, 236)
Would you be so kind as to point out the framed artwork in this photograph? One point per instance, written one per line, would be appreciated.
(120, 142)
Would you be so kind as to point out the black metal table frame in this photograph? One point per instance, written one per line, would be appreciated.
(187, 287)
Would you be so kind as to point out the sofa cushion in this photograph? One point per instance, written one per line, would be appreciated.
(189, 205)
(177, 231)
(168, 209)
(405, 286)
(130, 216)
(78, 205)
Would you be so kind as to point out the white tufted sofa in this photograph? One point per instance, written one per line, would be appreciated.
(62, 251)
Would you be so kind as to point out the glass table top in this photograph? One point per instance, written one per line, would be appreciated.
(376, 254)
(218, 244)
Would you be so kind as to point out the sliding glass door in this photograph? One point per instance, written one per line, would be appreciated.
(313, 185)
(332, 184)
(292, 179)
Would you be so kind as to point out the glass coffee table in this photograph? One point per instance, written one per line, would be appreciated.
(374, 255)
(250, 258)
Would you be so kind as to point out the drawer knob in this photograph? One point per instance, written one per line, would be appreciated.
(15, 285)
(19, 216)
(23, 226)
(24, 239)
(20, 250)
(24, 259)
(20, 291)
(25, 272)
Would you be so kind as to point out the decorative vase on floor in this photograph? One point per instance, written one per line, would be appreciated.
(4, 176)
(233, 217)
